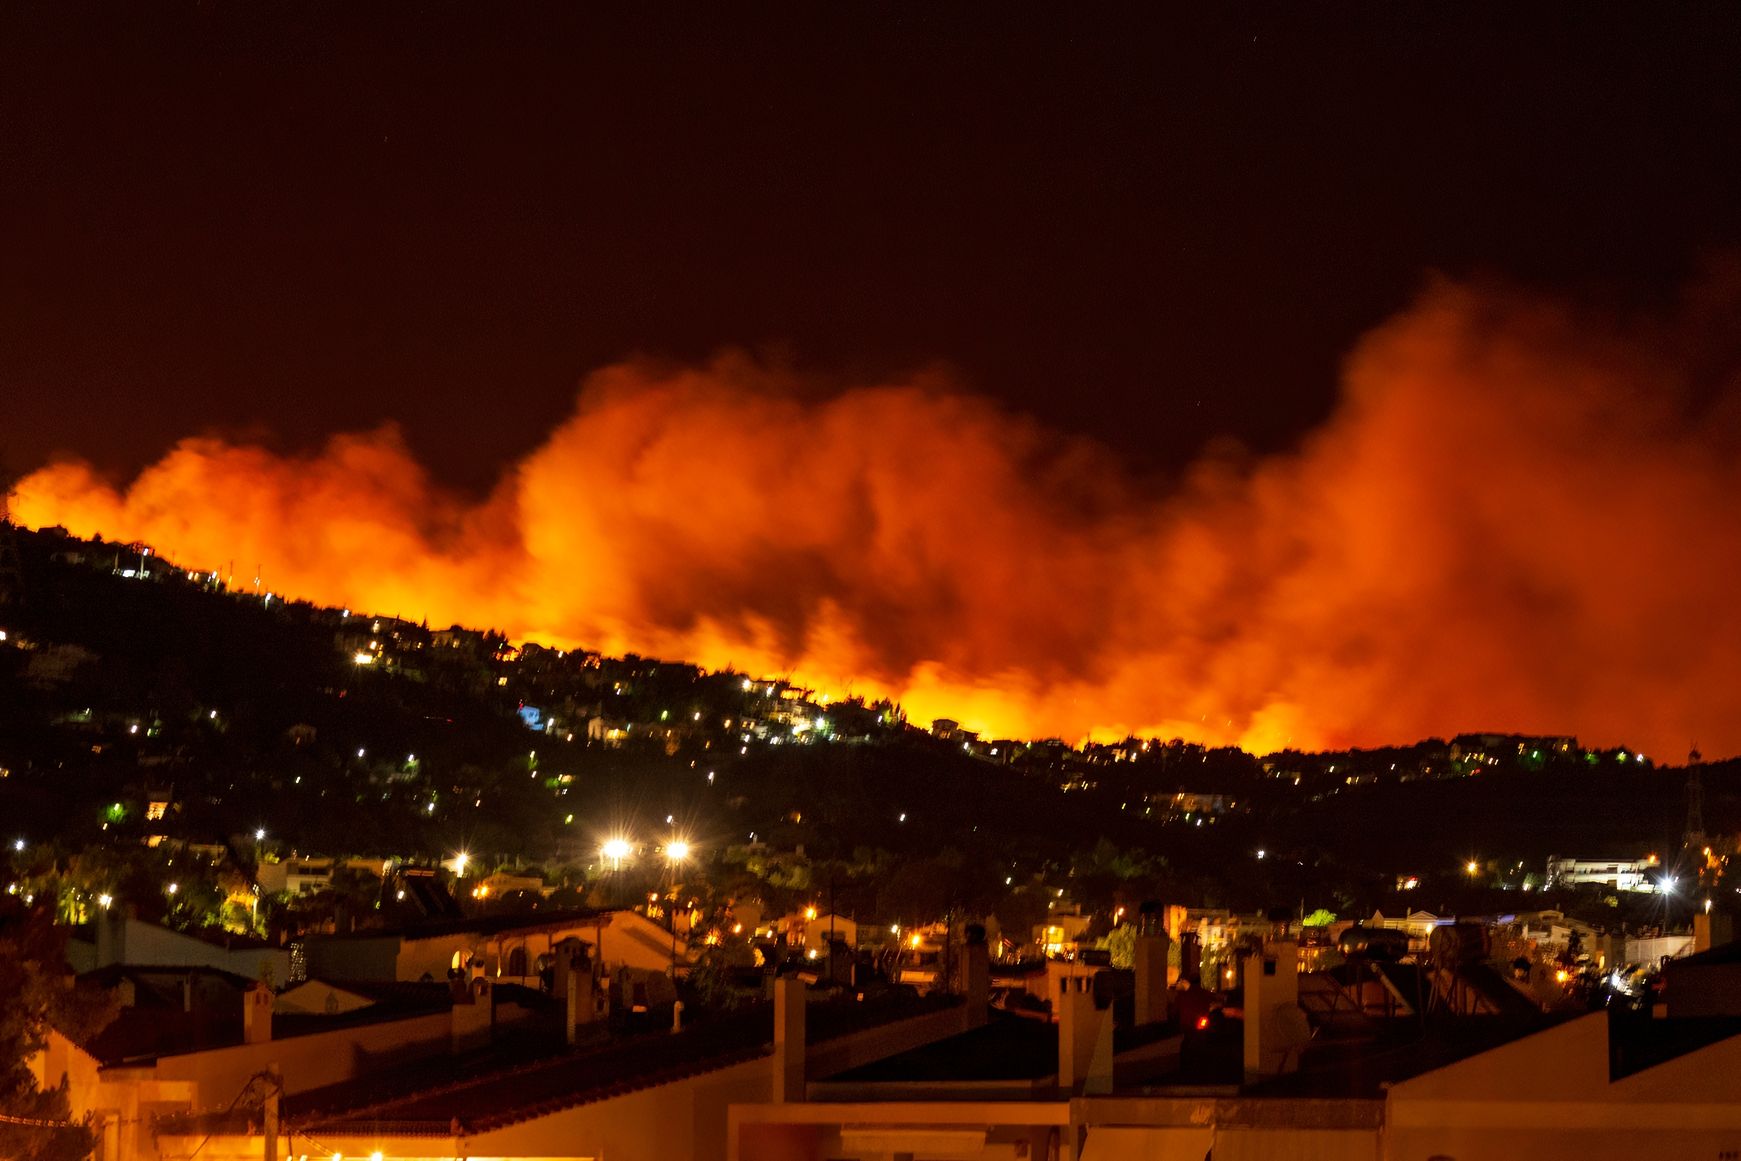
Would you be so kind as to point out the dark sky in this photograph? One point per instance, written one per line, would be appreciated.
(302, 218)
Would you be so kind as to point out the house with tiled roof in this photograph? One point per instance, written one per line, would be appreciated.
(516, 948)
(645, 1095)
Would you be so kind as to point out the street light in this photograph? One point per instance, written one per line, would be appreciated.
(1472, 867)
(616, 850)
(675, 852)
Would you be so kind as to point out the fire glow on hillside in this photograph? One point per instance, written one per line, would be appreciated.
(1514, 521)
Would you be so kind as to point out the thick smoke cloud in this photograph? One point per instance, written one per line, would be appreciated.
(1515, 520)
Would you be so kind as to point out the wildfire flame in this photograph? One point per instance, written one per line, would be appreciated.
(1513, 521)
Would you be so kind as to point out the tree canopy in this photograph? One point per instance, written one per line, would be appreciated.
(32, 980)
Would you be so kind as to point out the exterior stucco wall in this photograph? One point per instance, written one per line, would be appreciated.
(354, 959)
(685, 1119)
(307, 1062)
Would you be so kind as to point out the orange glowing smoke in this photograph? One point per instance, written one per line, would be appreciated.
(1512, 522)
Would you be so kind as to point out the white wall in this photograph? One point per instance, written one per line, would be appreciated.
(307, 1062)
(139, 944)
(685, 1119)
(1548, 1097)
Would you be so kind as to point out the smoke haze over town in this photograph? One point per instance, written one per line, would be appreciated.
(1517, 517)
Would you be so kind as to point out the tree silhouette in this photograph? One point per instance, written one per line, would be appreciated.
(32, 959)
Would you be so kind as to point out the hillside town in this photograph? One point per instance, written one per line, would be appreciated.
(281, 928)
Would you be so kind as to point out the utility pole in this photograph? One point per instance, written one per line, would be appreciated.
(1694, 837)
(270, 1108)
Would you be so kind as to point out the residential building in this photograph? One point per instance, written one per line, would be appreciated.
(120, 938)
(1469, 1088)
(653, 1096)
(511, 948)
(1616, 874)
(297, 875)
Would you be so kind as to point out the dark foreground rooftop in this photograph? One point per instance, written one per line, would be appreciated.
(519, 1078)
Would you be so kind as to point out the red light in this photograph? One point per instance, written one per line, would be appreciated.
(1202, 1023)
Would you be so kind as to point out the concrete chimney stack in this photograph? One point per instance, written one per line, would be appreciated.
(1275, 1026)
(1084, 1039)
(976, 976)
(111, 928)
(789, 1035)
(1191, 957)
(257, 1015)
(1150, 955)
(573, 982)
(1712, 929)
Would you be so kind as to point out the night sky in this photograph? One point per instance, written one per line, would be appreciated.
(283, 221)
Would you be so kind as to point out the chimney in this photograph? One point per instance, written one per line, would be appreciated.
(1275, 1027)
(578, 1006)
(1611, 950)
(1084, 1039)
(976, 976)
(272, 1109)
(574, 984)
(472, 1013)
(1712, 929)
(111, 937)
(1151, 966)
(257, 1015)
(1191, 957)
(788, 1040)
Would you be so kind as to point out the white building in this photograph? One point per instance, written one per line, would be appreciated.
(1616, 874)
